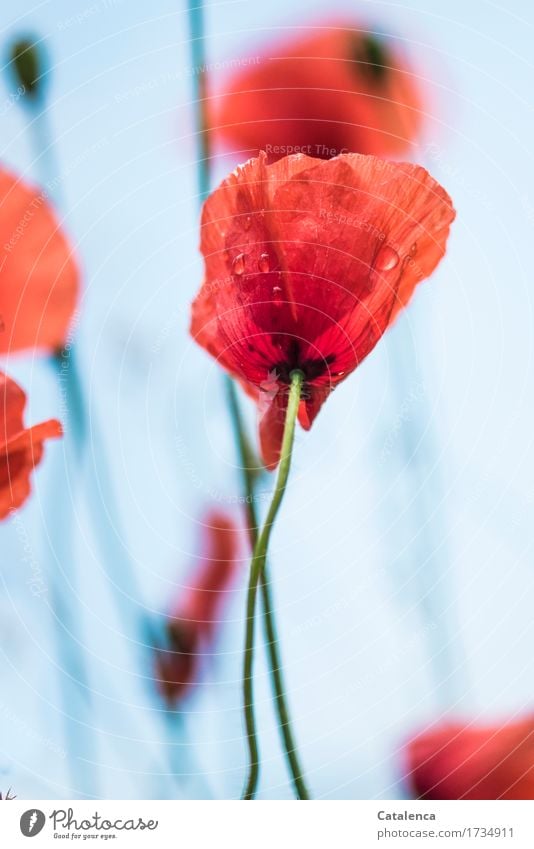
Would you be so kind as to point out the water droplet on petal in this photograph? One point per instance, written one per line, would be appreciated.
(387, 258)
(277, 294)
(413, 249)
(247, 223)
(263, 263)
(238, 265)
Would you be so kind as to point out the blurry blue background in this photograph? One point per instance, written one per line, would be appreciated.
(403, 558)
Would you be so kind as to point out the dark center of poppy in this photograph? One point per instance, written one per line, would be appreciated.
(371, 55)
(311, 367)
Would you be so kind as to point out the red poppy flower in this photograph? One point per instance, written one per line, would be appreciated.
(307, 262)
(39, 278)
(454, 761)
(193, 621)
(21, 449)
(340, 90)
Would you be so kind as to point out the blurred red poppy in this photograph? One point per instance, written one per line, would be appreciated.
(307, 262)
(21, 449)
(193, 621)
(341, 89)
(455, 761)
(39, 278)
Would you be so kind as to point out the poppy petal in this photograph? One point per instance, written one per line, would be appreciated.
(21, 449)
(39, 278)
(455, 761)
(308, 262)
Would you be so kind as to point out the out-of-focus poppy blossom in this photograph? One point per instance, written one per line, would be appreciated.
(340, 90)
(307, 262)
(39, 278)
(21, 449)
(455, 761)
(192, 624)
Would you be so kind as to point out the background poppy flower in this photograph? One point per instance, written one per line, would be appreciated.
(454, 761)
(307, 262)
(39, 278)
(342, 89)
(193, 621)
(21, 449)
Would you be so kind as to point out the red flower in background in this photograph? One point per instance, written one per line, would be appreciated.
(193, 621)
(307, 262)
(454, 761)
(339, 90)
(21, 449)
(39, 278)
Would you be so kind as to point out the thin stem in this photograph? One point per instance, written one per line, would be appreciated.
(271, 637)
(198, 61)
(75, 689)
(256, 573)
(74, 682)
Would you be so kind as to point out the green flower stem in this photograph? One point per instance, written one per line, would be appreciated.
(257, 574)
(249, 471)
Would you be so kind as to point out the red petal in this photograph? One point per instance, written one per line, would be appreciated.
(474, 762)
(307, 262)
(39, 279)
(21, 449)
(272, 416)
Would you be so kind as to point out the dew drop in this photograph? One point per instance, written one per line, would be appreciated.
(413, 249)
(238, 265)
(277, 294)
(247, 223)
(263, 263)
(387, 258)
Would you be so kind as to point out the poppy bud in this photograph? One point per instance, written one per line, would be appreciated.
(28, 66)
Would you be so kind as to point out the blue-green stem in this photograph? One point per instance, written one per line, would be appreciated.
(74, 684)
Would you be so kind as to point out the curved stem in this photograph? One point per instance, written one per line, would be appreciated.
(249, 468)
(257, 573)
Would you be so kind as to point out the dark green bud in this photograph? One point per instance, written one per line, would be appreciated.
(28, 66)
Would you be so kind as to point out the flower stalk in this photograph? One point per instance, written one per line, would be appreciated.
(257, 573)
(249, 472)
